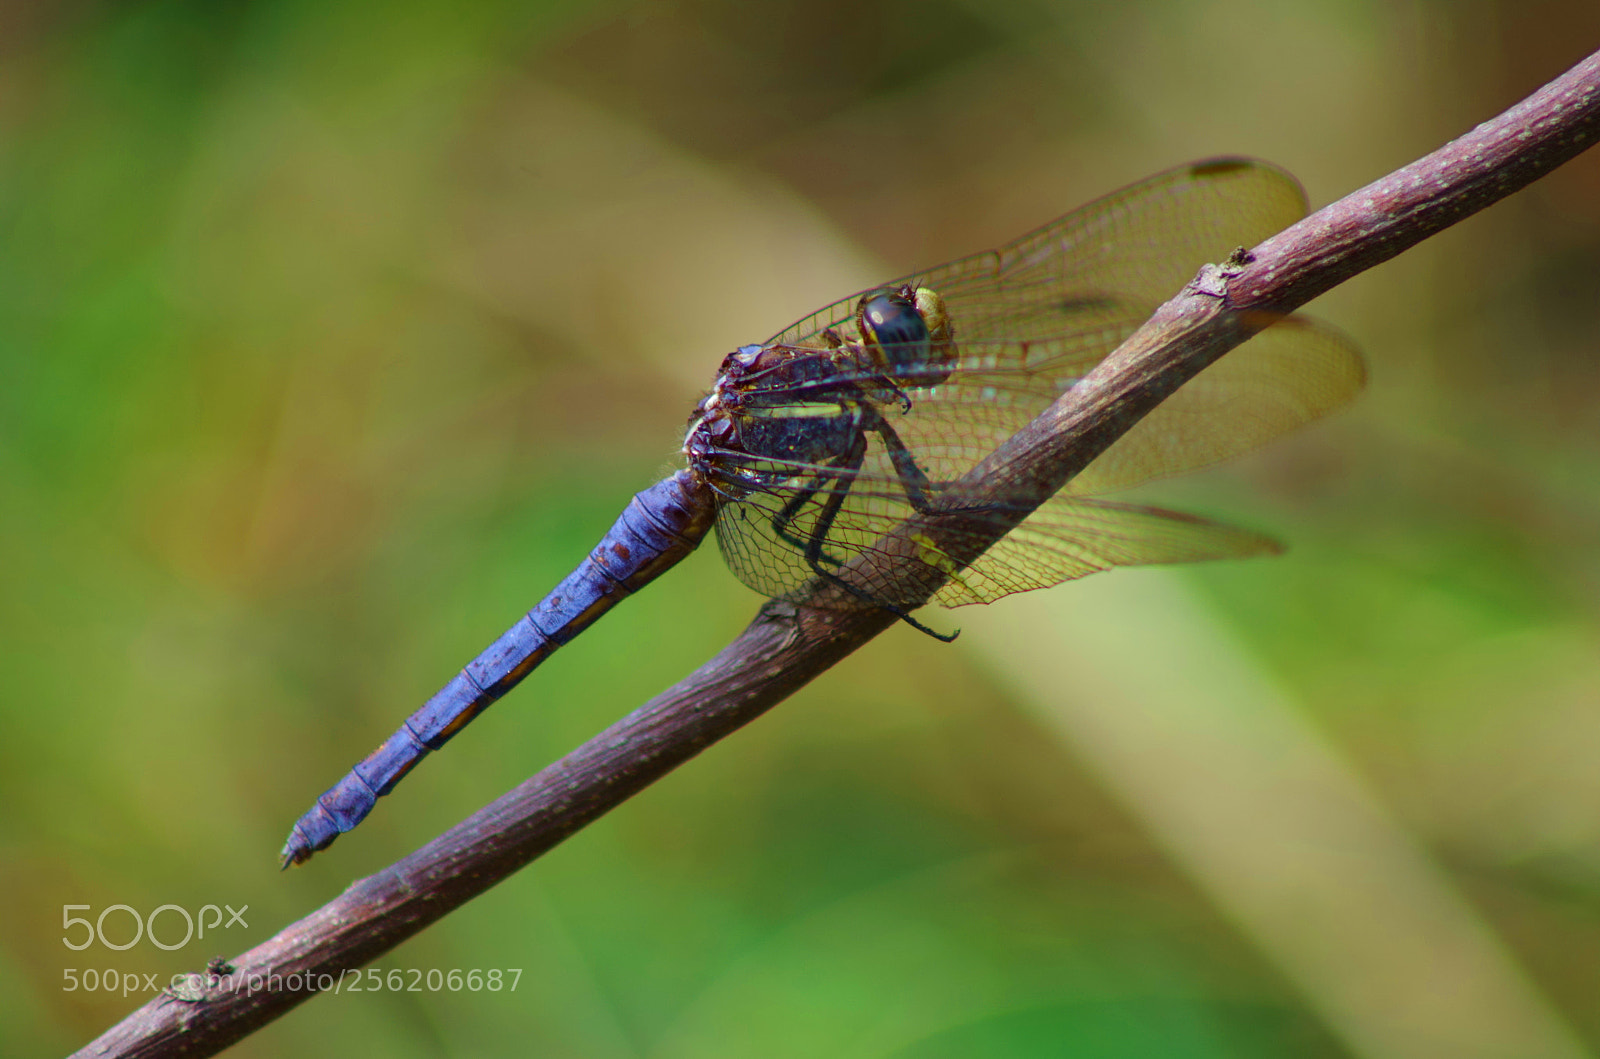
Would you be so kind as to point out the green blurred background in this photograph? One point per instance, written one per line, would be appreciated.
(332, 335)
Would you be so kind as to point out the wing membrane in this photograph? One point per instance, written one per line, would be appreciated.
(1292, 373)
(1030, 319)
(1069, 537)
(1140, 244)
(1065, 538)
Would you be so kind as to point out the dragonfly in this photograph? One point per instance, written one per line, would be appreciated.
(813, 446)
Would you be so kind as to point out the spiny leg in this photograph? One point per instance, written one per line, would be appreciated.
(912, 477)
(786, 516)
(837, 491)
(837, 482)
(918, 486)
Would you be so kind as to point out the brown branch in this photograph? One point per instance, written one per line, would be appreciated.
(786, 646)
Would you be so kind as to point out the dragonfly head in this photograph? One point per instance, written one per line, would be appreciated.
(907, 333)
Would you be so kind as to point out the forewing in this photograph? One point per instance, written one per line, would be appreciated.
(1034, 316)
(1289, 375)
(1138, 245)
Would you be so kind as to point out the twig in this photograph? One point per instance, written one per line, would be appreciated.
(786, 646)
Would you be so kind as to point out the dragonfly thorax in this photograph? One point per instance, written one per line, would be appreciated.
(780, 412)
(775, 413)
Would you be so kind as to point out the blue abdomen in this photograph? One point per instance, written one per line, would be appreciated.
(659, 527)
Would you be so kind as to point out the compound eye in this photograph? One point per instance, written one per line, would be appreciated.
(892, 323)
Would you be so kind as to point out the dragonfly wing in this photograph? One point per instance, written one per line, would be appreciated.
(748, 541)
(1029, 320)
(1292, 373)
(1032, 317)
(1140, 244)
(1065, 538)
(1069, 537)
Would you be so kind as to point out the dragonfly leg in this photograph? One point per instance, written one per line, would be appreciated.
(912, 477)
(838, 489)
(785, 518)
(919, 488)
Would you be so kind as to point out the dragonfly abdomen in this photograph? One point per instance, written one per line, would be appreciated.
(657, 529)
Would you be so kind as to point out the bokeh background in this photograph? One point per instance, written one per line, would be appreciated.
(331, 335)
